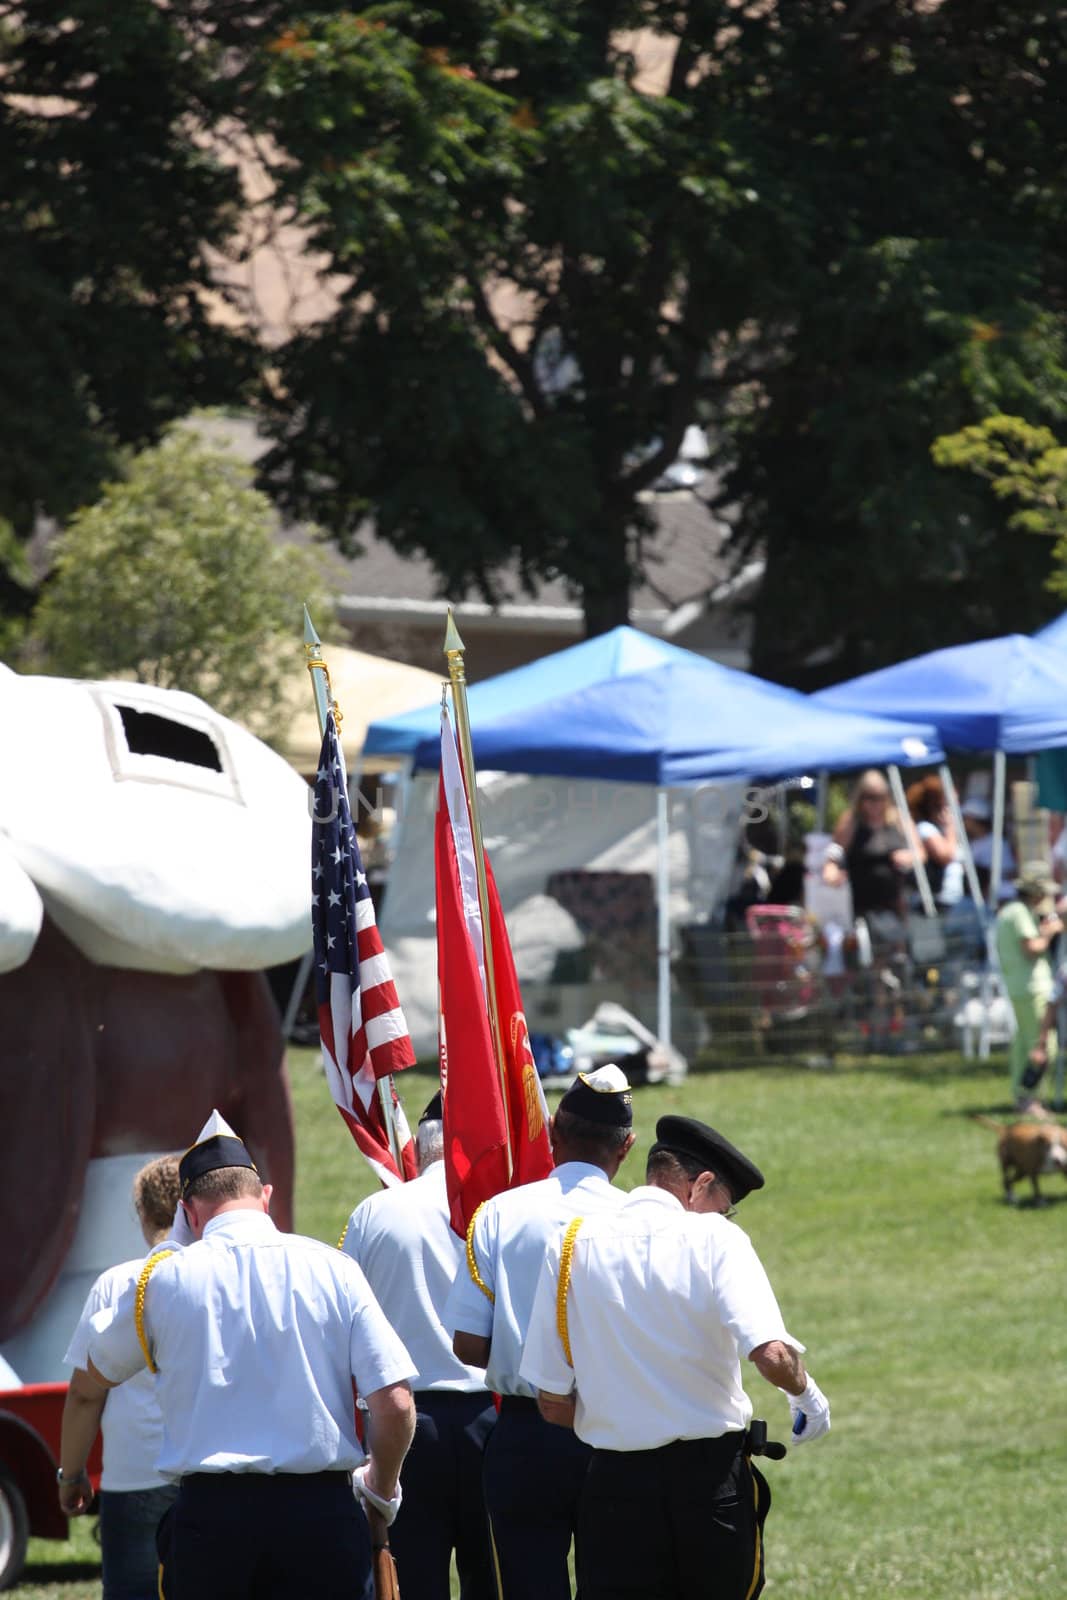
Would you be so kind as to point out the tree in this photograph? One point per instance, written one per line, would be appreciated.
(112, 198)
(820, 233)
(1025, 467)
(539, 255)
(919, 289)
(176, 577)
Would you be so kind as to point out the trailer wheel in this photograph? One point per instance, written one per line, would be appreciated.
(14, 1531)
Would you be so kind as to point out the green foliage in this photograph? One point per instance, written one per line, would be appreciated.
(1024, 466)
(111, 200)
(539, 255)
(176, 577)
(828, 239)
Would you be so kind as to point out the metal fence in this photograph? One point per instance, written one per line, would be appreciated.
(783, 988)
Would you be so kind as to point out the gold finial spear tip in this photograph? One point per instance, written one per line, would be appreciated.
(310, 636)
(453, 641)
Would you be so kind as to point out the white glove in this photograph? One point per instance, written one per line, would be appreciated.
(810, 1412)
(387, 1509)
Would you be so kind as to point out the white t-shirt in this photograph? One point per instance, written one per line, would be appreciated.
(132, 1424)
(662, 1305)
(404, 1243)
(512, 1231)
(257, 1336)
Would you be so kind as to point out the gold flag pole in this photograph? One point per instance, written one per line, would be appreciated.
(325, 703)
(453, 649)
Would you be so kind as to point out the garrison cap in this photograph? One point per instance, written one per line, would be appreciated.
(216, 1146)
(685, 1136)
(433, 1112)
(601, 1096)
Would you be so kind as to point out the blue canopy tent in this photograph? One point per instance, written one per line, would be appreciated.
(1006, 695)
(630, 709)
(685, 722)
(604, 659)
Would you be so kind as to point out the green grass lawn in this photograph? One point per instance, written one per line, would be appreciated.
(933, 1315)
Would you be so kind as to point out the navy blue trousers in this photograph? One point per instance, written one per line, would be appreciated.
(260, 1536)
(443, 1508)
(534, 1472)
(684, 1522)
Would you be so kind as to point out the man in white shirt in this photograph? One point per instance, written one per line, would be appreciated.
(256, 1337)
(534, 1472)
(133, 1493)
(638, 1328)
(402, 1240)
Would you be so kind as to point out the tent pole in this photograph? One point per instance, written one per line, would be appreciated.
(663, 918)
(822, 796)
(969, 871)
(907, 827)
(996, 867)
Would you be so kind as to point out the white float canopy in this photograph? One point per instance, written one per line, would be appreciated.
(145, 860)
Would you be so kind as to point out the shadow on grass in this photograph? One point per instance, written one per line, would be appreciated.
(42, 1572)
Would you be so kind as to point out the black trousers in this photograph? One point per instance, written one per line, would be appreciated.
(534, 1473)
(684, 1522)
(443, 1507)
(260, 1536)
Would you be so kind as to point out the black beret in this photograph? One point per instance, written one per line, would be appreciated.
(685, 1136)
(220, 1150)
(612, 1106)
(433, 1112)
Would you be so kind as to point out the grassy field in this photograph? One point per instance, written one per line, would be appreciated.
(932, 1312)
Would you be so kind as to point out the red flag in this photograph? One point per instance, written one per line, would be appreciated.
(362, 1028)
(478, 1133)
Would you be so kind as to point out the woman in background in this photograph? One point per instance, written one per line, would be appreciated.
(875, 849)
(936, 828)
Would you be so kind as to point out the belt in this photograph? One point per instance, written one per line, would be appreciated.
(246, 1479)
(517, 1403)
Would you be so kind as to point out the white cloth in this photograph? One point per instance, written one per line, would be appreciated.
(662, 1304)
(257, 1336)
(405, 1246)
(132, 1424)
(511, 1235)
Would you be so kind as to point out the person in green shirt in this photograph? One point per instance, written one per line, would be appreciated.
(1025, 928)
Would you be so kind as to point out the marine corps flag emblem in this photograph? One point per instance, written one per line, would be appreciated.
(495, 1117)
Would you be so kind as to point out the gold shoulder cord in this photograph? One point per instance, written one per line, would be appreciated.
(138, 1307)
(565, 1254)
(344, 1236)
(472, 1264)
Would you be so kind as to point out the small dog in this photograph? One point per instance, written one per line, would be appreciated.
(1028, 1150)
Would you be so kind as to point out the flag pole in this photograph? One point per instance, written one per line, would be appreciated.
(322, 689)
(453, 649)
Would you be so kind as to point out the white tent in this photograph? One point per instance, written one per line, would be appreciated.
(535, 830)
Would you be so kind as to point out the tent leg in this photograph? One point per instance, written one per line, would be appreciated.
(908, 829)
(996, 866)
(297, 993)
(964, 844)
(663, 917)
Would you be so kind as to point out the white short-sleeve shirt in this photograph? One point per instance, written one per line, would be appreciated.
(132, 1425)
(663, 1304)
(511, 1234)
(257, 1336)
(402, 1240)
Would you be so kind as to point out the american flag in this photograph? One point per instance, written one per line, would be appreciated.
(362, 1028)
